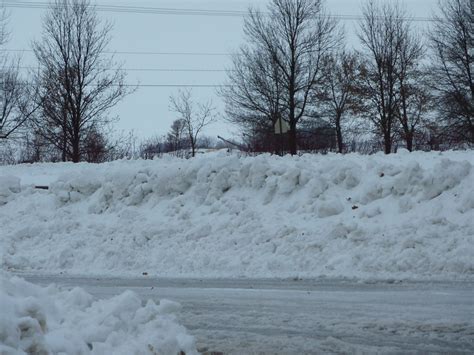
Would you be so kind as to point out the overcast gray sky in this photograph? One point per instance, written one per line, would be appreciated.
(146, 112)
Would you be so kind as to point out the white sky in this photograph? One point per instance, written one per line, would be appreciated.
(146, 112)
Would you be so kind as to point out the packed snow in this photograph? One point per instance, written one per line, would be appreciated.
(36, 320)
(402, 216)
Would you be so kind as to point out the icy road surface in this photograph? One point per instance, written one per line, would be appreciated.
(268, 316)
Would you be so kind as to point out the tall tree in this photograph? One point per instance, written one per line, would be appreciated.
(452, 42)
(254, 99)
(76, 83)
(281, 65)
(381, 34)
(337, 93)
(414, 97)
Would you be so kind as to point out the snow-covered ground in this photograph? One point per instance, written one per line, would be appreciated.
(36, 320)
(407, 216)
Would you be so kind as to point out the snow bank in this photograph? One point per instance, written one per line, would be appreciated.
(398, 216)
(37, 320)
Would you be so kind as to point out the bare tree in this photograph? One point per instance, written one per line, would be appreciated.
(414, 96)
(382, 34)
(415, 102)
(76, 83)
(281, 66)
(15, 108)
(337, 93)
(254, 99)
(194, 116)
(452, 42)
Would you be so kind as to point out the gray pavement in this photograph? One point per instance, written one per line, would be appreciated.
(307, 316)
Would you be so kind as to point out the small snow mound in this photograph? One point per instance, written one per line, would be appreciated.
(403, 151)
(9, 185)
(446, 175)
(330, 208)
(467, 202)
(37, 320)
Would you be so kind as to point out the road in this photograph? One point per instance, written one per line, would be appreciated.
(308, 316)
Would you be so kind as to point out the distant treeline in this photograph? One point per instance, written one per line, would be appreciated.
(294, 86)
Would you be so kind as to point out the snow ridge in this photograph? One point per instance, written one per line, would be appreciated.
(409, 215)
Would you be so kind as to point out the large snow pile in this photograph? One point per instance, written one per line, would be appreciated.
(37, 320)
(398, 216)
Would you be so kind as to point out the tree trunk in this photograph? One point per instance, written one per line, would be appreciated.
(64, 146)
(387, 142)
(192, 142)
(292, 139)
(76, 154)
(409, 141)
(340, 145)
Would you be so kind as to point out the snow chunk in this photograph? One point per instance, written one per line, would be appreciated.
(39, 320)
(330, 208)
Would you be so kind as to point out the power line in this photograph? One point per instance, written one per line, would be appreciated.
(135, 9)
(176, 85)
(178, 11)
(141, 53)
(177, 70)
(161, 85)
(185, 70)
